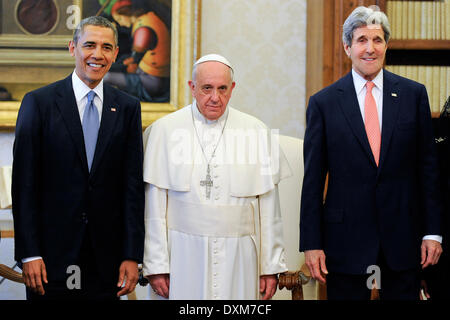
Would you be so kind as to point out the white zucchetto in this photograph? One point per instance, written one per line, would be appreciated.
(214, 57)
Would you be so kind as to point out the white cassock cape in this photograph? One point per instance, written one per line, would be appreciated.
(213, 248)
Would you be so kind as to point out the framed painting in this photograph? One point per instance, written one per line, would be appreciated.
(34, 37)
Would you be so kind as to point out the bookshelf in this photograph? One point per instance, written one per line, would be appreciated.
(420, 45)
(409, 45)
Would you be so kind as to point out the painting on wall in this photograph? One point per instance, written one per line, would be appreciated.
(143, 65)
(158, 40)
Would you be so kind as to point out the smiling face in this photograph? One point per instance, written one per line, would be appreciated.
(212, 88)
(94, 53)
(367, 51)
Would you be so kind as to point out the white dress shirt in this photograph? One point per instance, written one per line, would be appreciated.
(80, 89)
(377, 92)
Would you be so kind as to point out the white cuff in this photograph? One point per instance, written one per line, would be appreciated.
(433, 237)
(30, 259)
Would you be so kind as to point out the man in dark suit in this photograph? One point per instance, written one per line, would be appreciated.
(371, 132)
(77, 186)
(438, 277)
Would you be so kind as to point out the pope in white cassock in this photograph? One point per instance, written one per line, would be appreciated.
(213, 226)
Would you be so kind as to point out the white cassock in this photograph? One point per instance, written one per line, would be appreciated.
(213, 247)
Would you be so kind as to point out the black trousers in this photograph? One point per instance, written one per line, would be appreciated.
(394, 285)
(438, 279)
(92, 287)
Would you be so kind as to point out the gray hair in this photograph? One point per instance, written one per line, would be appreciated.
(361, 17)
(94, 21)
(194, 72)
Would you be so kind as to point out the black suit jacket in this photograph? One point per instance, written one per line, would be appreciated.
(369, 208)
(56, 200)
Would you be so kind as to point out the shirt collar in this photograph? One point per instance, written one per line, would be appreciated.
(80, 89)
(199, 117)
(360, 82)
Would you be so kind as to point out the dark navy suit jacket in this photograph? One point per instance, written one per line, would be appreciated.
(369, 208)
(56, 200)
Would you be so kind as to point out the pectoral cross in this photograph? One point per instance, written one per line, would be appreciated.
(207, 183)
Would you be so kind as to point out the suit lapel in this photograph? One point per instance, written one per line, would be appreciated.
(67, 105)
(110, 111)
(350, 107)
(390, 112)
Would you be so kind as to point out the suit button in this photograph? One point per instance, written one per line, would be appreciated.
(84, 217)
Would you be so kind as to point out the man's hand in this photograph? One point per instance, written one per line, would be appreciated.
(160, 284)
(34, 273)
(315, 260)
(268, 285)
(431, 251)
(128, 274)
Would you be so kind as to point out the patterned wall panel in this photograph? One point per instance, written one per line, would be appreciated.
(265, 40)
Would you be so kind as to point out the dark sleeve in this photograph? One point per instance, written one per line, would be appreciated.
(316, 167)
(429, 171)
(134, 190)
(25, 189)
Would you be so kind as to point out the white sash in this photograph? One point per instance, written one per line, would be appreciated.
(210, 220)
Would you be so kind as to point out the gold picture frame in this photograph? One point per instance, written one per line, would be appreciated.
(45, 64)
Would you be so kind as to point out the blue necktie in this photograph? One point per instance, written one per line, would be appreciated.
(90, 128)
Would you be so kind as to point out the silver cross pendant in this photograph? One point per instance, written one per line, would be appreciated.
(207, 183)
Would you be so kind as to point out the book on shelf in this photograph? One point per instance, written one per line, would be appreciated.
(430, 20)
(443, 83)
(404, 25)
(424, 20)
(417, 20)
(435, 106)
(411, 21)
(447, 19)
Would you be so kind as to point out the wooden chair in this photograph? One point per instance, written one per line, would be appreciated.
(294, 281)
(5, 271)
(10, 274)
